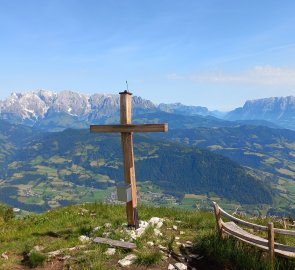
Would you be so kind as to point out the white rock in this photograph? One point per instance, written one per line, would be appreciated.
(132, 234)
(178, 243)
(110, 252)
(4, 256)
(84, 238)
(180, 266)
(155, 221)
(64, 258)
(177, 238)
(38, 248)
(181, 232)
(171, 267)
(174, 227)
(106, 234)
(163, 248)
(108, 225)
(128, 260)
(96, 228)
(150, 243)
(140, 231)
(159, 225)
(55, 253)
(143, 224)
(157, 232)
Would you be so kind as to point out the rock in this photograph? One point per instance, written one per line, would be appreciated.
(177, 238)
(77, 247)
(184, 245)
(83, 210)
(55, 253)
(177, 243)
(163, 248)
(150, 243)
(128, 260)
(64, 258)
(96, 228)
(189, 243)
(110, 252)
(157, 232)
(38, 248)
(174, 227)
(143, 224)
(180, 266)
(132, 234)
(156, 221)
(4, 256)
(181, 232)
(84, 238)
(140, 231)
(171, 267)
(106, 234)
(107, 225)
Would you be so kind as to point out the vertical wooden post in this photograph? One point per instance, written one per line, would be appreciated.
(218, 219)
(284, 223)
(271, 246)
(128, 157)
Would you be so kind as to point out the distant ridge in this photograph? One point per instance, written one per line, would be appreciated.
(48, 110)
(279, 110)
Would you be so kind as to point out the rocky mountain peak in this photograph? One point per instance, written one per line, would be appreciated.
(34, 105)
(279, 110)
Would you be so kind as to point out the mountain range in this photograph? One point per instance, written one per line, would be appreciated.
(279, 110)
(49, 110)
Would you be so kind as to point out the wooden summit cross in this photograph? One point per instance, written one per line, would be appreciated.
(126, 128)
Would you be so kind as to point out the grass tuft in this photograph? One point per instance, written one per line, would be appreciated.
(148, 257)
(34, 259)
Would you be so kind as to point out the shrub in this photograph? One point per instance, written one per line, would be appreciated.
(34, 259)
(6, 212)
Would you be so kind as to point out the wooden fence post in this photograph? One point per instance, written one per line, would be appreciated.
(271, 246)
(218, 219)
(284, 223)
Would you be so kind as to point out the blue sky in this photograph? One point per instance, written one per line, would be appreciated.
(211, 53)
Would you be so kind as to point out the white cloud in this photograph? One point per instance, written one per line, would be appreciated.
(258, 75)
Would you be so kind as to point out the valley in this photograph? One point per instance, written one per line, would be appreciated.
(49, 164)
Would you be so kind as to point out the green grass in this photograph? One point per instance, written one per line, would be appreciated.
(60, 228)
(34, 259)
(148, 257)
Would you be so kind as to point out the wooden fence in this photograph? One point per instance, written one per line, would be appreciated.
(231, 228)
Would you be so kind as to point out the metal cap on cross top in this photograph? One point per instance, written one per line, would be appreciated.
(126, 128)
(125, 92)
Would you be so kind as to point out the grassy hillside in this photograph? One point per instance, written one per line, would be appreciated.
(54, 169)
(267, 153)
(53, 241)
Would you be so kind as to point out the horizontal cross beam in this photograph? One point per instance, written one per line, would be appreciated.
(130, 128)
